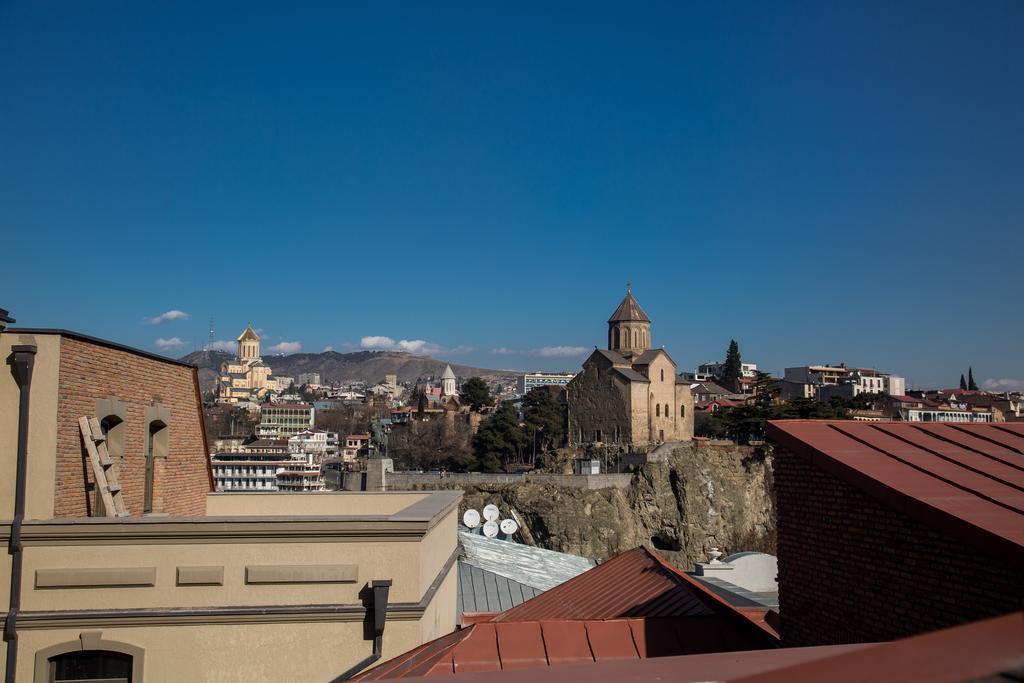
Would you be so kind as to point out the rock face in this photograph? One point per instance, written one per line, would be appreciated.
(701, 496)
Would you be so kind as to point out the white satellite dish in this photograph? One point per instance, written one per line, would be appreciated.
(508, 526)
(490, 529)
(491, 513)
(471, 518)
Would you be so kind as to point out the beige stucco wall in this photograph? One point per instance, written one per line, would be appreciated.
(318, 503)
(42, 426)
(314, 651)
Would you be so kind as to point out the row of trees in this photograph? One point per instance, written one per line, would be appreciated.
(747, 422)
(503, 441)
(968, 384)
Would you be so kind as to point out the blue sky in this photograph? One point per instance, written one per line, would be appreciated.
(822, 182)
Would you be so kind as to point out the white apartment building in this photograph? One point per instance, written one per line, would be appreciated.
(532, 380)
(283, 420)
(317, 442)
(714, 369)
(826, 381)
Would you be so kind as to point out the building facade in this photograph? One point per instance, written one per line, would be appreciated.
(247, 377)
(284, 420)
(162, 593)
(629, 394)
(532, 380)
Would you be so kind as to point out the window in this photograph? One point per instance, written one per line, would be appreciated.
(667, 412)
(682, 411)
(616, 335)
(663, 374)
(158, 419)
(91, 665)
(657, 410)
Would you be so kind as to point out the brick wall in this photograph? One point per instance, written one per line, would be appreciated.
(853, 570)
(91, 372)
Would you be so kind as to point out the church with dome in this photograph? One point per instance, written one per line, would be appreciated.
(630, 394)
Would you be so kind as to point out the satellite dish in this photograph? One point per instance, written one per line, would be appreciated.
(509, 526)
(471, 518)
(490, 529)
(491, 513)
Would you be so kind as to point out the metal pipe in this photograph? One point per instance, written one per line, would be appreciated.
(22, 360)
(380, 588)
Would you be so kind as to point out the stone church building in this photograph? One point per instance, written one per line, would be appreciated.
(630, 394)
(246, 377)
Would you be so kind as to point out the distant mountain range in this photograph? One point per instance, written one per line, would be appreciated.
(342, 368)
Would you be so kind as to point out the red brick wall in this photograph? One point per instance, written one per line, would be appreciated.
(91, 372)
(853, 570)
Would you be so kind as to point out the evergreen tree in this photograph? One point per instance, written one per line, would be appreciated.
(732, 369)
(963, 382)
(476, 394)
(500, 439)
(421, 405)
(971, 384)
(545, 418)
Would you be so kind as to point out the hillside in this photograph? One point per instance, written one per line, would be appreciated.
(360, 366)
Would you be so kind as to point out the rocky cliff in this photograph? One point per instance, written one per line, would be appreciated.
(698, 497)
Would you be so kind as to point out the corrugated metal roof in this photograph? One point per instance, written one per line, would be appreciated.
(975, 651)
(481, 590)
(635, 583)
(531, 566)
(965, 479)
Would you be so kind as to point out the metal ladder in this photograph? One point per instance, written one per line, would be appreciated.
(103, 469)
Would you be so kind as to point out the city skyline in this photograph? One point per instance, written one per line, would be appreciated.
(822, 184)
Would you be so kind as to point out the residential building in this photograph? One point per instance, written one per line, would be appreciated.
(532, 380)
(317, 442)
(709, 391)
(309, 379)
(283, 420)
(247, 376)
(356, 446)
(715, 368)
(825, 381)
(629, 394)
(913, 409)
(302, 474)
(152, 596)
(247, 471)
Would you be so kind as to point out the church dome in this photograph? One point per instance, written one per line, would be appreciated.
(629, 311)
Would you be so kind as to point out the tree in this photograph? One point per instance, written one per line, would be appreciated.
(971, 384)
(476, 394)
(732, 369)
(500, 439)
(421, 406)
(963, 382)
(545, 419)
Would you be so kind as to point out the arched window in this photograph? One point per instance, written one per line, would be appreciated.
(158, 420)
(657, 410)
(636, 338)
(663, 374)
(643, 338)
(682, 410)
(617, 342)
(90, 658)
(667, 412)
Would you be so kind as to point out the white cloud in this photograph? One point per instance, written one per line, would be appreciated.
(377, 343)
(228, 345)
(169, 344)
(1004, 384)
(560, 351)
(421, 346)
(502, 351)
(285, 347)
(168, 316)
(328, 348)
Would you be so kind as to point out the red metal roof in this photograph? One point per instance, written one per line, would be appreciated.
(500, 646)
(965, 479)
(633, 606)
(971, 652)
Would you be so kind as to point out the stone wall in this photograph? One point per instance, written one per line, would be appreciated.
(852, 570)
(406, 481)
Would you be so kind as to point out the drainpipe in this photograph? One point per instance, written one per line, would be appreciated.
(379, 606)
(23, 358)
